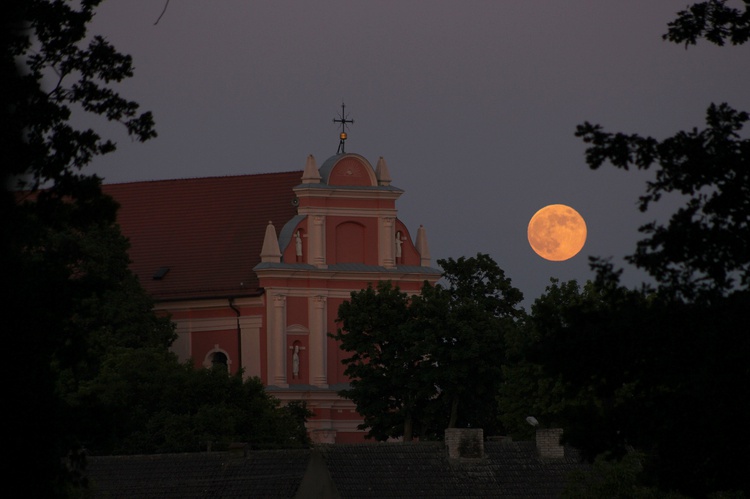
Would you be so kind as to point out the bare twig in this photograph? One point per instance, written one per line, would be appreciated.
(162, 13)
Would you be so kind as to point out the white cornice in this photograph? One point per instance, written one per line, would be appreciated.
(218, 323)
(213, 303)
(348, 212)
(318, 191)
(305, 293)
(344, 275)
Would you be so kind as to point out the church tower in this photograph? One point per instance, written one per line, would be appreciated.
(252, 269)
(346, 235)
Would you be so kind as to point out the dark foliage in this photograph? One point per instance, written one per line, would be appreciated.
(643, 373)
(712, 21)
(467, 322)
(60, 249)
(662, 373)
(91, 358)
(386, 362)
(422, 363)
(704, 250)
(145, 402)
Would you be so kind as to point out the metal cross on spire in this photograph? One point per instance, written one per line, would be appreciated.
(343, 120)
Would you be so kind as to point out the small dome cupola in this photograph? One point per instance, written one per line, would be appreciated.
(348, 170)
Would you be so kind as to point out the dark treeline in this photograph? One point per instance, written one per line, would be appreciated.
(650, 383)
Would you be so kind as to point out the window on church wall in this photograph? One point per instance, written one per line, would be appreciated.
(217, 358)
(220, 361)
(350, 243)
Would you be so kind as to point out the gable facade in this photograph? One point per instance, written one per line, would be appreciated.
(252, 270)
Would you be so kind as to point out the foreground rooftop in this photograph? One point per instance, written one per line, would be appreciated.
(371, 470)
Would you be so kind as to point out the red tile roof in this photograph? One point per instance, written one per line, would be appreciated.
(207, 231)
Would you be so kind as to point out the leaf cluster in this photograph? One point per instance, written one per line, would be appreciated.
(386, 361)
(421, 363)
(651, 366)
(712, 21)
(615, 479)
(60, 71)
(631, 370)
(703, 250)
(145, 402)
(468, 320)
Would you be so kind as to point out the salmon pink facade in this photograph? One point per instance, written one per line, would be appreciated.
(252, 270)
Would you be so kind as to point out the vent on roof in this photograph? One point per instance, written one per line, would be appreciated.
(160, 273)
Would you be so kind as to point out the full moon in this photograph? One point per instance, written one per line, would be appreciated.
(557, 232)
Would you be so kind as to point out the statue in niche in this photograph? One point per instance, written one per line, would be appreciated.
(295, 362)
(399, 242)
(298, 245)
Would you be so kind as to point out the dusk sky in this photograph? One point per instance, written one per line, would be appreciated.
(473, 105)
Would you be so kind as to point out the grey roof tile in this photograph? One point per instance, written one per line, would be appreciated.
(370, 470)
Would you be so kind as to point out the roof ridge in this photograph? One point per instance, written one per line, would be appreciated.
(233, 175)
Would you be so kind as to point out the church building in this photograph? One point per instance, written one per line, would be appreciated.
(252, 270)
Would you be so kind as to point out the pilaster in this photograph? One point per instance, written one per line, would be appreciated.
(277, 343)
(317, 242)
(386, 243)
(318, 342)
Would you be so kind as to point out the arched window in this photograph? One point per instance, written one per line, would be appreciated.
(219, 360)
(216, 358)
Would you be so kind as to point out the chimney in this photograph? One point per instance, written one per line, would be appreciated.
(548, 443)
(464, 443)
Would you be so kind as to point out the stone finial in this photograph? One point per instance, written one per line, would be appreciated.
(382, 173)
(270, 252)
(422, 247)
(311, 174)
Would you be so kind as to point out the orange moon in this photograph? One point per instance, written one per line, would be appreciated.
(557, 232)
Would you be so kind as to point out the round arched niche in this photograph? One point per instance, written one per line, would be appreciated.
(348, 169)
(298, 361)
(217, 358)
